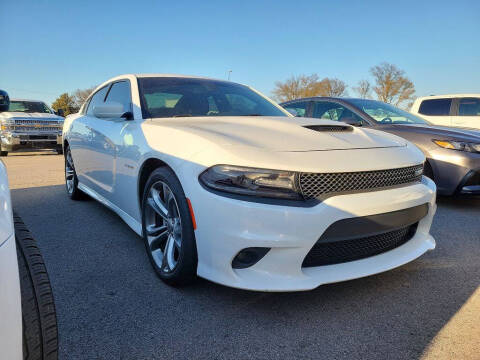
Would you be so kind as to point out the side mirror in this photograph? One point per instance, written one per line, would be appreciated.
(60, 112)
(110, 110)
(292, 111)
(352, 121)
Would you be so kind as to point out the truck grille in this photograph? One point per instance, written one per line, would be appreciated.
(36, 122)
(336, 252)
(32, 125)
(315, 185)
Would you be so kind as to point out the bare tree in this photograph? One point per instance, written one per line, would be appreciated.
(306, 86)
(392, 86)
(296, 87)
(363, 89)
(332, 87)
(80, 95)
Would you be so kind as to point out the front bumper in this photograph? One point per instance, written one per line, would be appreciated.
(16, 141)
(454, 171)
(226, 226)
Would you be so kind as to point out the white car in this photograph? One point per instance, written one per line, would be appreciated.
(223, 183)
(459, 110)
(28, 325)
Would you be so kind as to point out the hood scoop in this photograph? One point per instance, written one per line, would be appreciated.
(330, 128)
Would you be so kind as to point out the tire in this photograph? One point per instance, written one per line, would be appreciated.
(179, 228)
(71, 180)
(40, 333)
(3, 153)
(59, 151)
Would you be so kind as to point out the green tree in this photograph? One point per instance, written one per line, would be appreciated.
(66, 103)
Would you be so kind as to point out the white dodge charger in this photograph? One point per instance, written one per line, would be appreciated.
(223, 183)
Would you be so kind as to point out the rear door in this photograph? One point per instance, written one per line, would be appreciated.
(467, 112)
(437, 111)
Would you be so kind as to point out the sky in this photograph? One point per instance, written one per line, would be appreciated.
(51, 47)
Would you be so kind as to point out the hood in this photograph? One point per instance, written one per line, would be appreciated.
(438, 132)
(33, 116)
(281, 133)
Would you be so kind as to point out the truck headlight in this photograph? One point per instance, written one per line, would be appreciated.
(252, 182)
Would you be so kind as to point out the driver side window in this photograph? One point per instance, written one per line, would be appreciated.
(97, 99)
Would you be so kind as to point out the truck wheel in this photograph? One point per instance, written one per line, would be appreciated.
(40, 334)
(3, 153)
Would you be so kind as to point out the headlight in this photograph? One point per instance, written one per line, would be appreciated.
(458, 145)
(251, 181)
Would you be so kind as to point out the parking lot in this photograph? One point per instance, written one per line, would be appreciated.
(111, 305)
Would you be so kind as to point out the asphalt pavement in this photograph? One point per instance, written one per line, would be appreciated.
(111, 305)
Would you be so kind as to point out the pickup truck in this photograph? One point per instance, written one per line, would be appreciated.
(30, 124)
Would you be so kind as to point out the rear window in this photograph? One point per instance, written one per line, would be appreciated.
(435, 107)
(469, 107)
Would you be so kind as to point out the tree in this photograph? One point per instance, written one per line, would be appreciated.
(296, 87)
(363, 89)
(332, 87)
(306, 86)
(80, 95)
(65, 102)
(392, 85)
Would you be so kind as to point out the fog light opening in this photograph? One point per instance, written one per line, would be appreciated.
(248, 257)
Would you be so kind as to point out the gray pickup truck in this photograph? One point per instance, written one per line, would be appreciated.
(30, 124)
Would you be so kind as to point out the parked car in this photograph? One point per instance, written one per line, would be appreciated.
(453, 154)
(28, 124)
(222, 182)
(461, 110)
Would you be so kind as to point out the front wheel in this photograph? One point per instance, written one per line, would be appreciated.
(3, 153)
(40, 334)
(71, 180)
(168, 229)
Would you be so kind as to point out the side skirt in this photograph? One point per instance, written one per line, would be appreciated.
(134, 224)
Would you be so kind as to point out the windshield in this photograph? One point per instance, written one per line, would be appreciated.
(28, 106)
(385, 113)
(178, 97)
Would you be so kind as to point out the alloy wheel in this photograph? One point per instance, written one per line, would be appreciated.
(69, 172)
(163, 226)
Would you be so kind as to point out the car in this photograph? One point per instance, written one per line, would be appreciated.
(28, 326)
(223, 183)
(453, 154)
(460, 110)
(30, 124)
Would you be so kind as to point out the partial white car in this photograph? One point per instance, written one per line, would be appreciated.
(25, 293)
(223, 183)
(459, 110)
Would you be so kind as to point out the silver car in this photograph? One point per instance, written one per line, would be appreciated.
(453, 154)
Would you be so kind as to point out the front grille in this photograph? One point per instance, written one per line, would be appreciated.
(36, 122)
(315, 185)
(37, 128)
(336, 252)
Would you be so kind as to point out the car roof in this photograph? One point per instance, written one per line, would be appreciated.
(326, 98)
(27, 100)
(448, 96)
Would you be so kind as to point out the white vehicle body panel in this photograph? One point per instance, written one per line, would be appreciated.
(10, 300)
(109, 153)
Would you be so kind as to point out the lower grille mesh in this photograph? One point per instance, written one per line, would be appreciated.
(329, 253)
